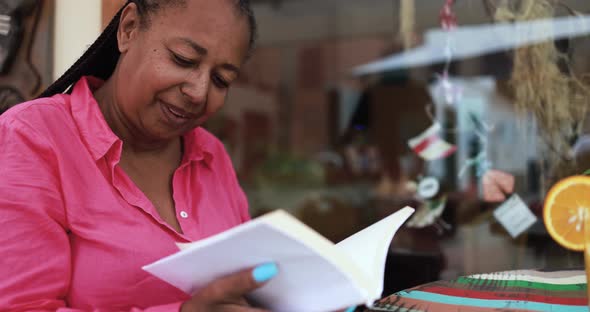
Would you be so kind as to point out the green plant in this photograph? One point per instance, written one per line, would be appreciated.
(286, 169)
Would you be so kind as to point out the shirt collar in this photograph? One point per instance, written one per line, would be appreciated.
(95, 132)
(198, 146)
(99, 138)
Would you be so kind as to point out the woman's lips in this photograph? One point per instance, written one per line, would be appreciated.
(176, 115)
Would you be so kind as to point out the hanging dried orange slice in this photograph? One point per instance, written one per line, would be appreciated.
(567, 211)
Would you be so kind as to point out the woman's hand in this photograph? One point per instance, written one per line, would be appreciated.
(227, 293)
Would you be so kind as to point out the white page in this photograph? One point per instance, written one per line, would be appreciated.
(306, 281)
(368, 248)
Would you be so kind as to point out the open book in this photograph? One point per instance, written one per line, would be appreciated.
(314, 274)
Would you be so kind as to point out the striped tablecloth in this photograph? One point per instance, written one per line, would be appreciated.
(522, 290)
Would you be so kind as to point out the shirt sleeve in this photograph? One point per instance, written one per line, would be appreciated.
(162, 308)
(35, 263)
(34, 246)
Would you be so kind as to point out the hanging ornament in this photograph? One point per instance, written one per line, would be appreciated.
(432, 203)
(428, 188)
(430, 146)
(448, 19)
(429, 214)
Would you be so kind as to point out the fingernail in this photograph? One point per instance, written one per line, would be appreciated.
(351, 309)
(264, 272)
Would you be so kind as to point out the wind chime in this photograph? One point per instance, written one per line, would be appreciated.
(429, 145)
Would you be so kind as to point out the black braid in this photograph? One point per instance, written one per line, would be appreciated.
(99, 60)
(101, 57)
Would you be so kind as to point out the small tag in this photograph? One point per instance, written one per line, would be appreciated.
(428, 188)
(515, 216)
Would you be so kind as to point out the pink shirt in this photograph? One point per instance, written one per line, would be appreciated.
(76, 230)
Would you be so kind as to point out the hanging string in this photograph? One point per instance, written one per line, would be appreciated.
(448, 19)
(444, 86)
(448, 22)
(452, 94)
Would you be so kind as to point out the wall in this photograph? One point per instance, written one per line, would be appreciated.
(77, 25)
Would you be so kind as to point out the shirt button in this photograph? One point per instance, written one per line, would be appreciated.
(183, 214)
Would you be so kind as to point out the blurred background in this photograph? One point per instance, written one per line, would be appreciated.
(349, 110)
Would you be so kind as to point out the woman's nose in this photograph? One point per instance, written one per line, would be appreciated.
(196, 88)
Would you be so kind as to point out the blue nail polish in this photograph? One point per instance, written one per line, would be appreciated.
(264, 272)
(351, 309)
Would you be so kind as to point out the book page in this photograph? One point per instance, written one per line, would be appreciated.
(309, 279)
(368, 248)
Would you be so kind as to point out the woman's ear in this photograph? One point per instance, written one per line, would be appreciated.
(128, 27)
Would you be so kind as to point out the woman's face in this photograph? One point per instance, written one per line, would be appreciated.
(175, 73)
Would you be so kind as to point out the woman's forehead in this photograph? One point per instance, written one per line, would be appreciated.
(213, 24)
(206, 7)
(199, 13)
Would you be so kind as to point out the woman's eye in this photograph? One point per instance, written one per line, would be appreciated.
(182, 61)
(220, 82)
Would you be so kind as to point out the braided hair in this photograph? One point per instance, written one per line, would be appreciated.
(101, 57)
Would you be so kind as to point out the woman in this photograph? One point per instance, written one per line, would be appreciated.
(96, 183)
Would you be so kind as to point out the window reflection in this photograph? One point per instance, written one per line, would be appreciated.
(334, 121)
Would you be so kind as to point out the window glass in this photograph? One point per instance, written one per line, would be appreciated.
(350, 110)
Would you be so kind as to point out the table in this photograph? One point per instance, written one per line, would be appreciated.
(520, 290)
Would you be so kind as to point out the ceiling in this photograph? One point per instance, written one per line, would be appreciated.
(286, 20)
